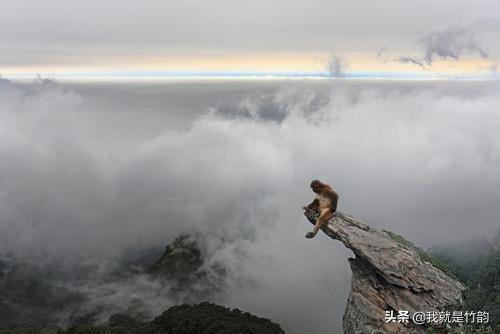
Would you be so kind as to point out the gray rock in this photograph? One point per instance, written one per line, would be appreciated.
(388, 274)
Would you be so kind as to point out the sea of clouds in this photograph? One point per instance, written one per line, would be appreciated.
(91, 172)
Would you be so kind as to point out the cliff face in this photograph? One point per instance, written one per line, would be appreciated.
(387, 274)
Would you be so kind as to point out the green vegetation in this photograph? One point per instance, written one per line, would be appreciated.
(484, 293)
(400, 239)
(466, 330)
(180, 262)
(33, 330)
(207, 318)
(28, 297)
(204, 318)
(465, 258)
(182, 267)
(477, 265)
(424, 256)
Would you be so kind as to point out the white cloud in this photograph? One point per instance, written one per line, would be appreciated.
(419, 158)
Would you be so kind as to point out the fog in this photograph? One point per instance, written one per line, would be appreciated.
(89, 171)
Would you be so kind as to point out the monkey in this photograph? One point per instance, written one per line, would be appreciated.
(325, 203)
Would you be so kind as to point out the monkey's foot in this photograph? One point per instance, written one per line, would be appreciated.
(310, 235)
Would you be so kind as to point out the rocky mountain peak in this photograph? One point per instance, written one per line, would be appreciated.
(388, 273)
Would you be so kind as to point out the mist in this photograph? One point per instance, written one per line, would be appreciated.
(89, 172)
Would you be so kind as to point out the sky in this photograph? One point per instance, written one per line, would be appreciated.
(457, 39)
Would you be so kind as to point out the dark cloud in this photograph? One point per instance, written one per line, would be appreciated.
(411, 60)
(476, 38)
(336, 67)
(450, 44)
(381, 51)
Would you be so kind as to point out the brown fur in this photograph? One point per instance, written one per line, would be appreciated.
(324, 190)
(326, 214)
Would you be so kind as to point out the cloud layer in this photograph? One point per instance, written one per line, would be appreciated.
(421, 159)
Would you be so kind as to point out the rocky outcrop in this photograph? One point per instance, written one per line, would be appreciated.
(186, 275)
(388, 273)
(181, 261)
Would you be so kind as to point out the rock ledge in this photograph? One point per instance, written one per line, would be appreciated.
(387, 275)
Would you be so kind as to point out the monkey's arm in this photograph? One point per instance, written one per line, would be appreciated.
(334, 199)
(313, 206)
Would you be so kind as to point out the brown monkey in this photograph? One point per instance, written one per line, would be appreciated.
(325, 203)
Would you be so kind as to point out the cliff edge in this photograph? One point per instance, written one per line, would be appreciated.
(388, 274)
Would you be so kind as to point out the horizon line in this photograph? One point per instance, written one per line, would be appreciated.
(245, 75)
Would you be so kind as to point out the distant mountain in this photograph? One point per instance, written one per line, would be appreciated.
(477, 263)
(204, 318)
(494, 240)
(30, 296)
(182, 266)
(38, 297)
(463, 258)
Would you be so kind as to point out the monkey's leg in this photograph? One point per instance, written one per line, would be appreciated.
(324, 217)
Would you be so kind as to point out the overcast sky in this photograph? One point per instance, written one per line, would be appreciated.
(220, 35)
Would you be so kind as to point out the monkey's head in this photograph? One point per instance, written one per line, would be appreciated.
(316, 186)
